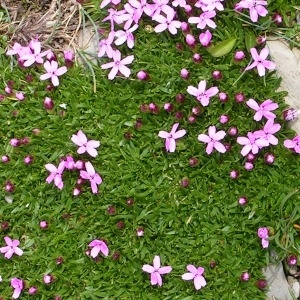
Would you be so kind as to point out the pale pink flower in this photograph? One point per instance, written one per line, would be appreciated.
(251, 143)
(195, 274)
(293, 144)
(210, 5)
(81, 140)
(126, 36)
(181, 3)
(36, 56)
(69, 162)
(260, 61)
(115, 16)
(171, 137)
(20, 96)
(11, 248)
(156, 271)
(205, 38)
(16, 49)
(55, 174)
(118, 65)
(159, 6)
(106, 2)
(53, 71)
(167, 22)
(105, 45)
(68, 55)
(204, 20)
(18, 285)
(201, 94)
(97, 247)
(263, 233)
(90, 174)
(267, 133)
(256, 8)
(263, 110)
(213, 140)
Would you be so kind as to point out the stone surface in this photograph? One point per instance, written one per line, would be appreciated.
(288, 67)
(296, 289)
(279, 288)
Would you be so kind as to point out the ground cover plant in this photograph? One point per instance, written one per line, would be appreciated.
(176, 179)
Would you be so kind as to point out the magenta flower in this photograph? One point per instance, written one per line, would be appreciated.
(81, 140)
(256, 8)
(156, 271)
(201, 94)
(105, 46)
(263, 110)
(167, 22)
(263, 233)
(90, 174)
(210, 5)
(55, 174)
(118, 65)
(126, 36)
(171, 137)
(36, 56)
(267, 132)
(204, 20)
(260, 61)
(251, 143)
(18, 285)
(213, 140)
(293, 144)
(53, 71)
(205, 38)
(97, 247)
(196, 275)
(11, 248)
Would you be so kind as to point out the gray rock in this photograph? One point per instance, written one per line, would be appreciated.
(279, 288)
(296, 289)
(291, 280)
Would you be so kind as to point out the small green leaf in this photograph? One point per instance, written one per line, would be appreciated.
(250, 40)
(222, 48)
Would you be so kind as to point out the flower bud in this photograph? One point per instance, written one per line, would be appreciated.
(9, 187)
(79, 164)
(111, 210)
(243, 201)
(25, 140)
(180, 98)
(154, 108)
(239, 56)
(144, 108)
(140, 231)
(217, 75)
(197, 110)
(48, 279)
(130, 201)
(178, 115)
(48, 103)
(227, 146)
(245, 276)
(32, 290)
(292, 260)
(77, 191)
(192, 119)
(239, 97)
(28, 159)
(197, 58)
(223, 97)
(290, 114)
(59, 260)
(8, 90)
(69, 58)
(5, 159)
(185, 182)
(261, 284)
(249, 166)
(120, 225)
(250, 157)
(143, 75)
(20, 96)
(277, 18)
(116, 255)
(36, 131)
(212, 264)
(44, 225)
(190, 40)
(184, 73)
(28, 78)
(193, 162)
(224, 119)
(269, 158)
(232, 131)
(15, 142)
(168, 107)
(2, 97)
(185, 27)
(188, 9)
(4, 226)
(261, 40)
(234, 174)
(205, 38)
(138, 124)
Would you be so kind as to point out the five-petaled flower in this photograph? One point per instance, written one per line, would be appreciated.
(267, 133)
(18, 285)
(167, 22)
(81, 140)
(195, 274)
(118, 65)
(53, 71)
(201, 94)
(56, 173)
(171, 137)
(293, 144)
(263, 110)
(213, 140)
(11, 248)
(97, 247)
(260, 61)
(156, 271)
(251, 143)
(263, 233)
(90, 174)
(256, 8)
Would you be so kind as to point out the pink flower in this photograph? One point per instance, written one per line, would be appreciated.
(11, 248)
(105, 46)
(293, 144)
(171, 137)
(97, 247)
(35, 56)
(68, 55)
(201, 93)
(81, 140)
(204, 20)
(55, 174)
(90, 174)
(256, 8)
(210, 5)
(16, 49)
(20, 96)
(156, 271)
(167, 22)
(18, 285)
(212, 140)
(118, 65)
(196, 275)
(126, 36)
(69, 162)
(267, 132)
(53, 71)
(260, 61)
(251, 143)
(263, 110)
(263, 233)
(106, 2)
(159, 6)
(115, 16)
(205, 38)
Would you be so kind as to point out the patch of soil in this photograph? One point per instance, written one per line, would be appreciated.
(54, 22)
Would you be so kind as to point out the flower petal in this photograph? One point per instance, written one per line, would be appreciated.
(148, 269)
